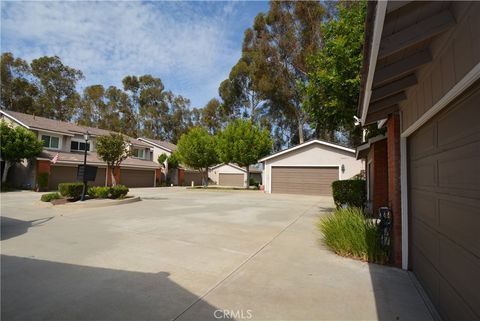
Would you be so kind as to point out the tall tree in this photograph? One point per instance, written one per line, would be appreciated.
(58, 98)
(152, 105)
(18, 92)
(196, 149)
(117, 114)
(334, 74)
(17, 144)
(284, 38)
(93, 104)
(243, 143)
(212, 116)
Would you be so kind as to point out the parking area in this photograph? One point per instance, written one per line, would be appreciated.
(189, 255)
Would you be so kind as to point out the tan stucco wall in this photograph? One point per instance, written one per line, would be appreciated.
(213, 174)
(454, 54)
(315, 155)
(157, 152)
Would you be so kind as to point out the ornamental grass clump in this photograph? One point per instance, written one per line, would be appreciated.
(348, 233)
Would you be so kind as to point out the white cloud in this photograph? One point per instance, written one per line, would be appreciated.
(189, 50)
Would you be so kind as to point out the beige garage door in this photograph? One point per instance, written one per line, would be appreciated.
(303, 180)
(194, 176)
(137, 178)
(444, 195)
(231, 179)
(68, 174)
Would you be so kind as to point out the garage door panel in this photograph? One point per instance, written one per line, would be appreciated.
(457, 266)
(461, 222)
(444, 196)
(137, 178)
(61, 174)
(231, 179)
(303, 180)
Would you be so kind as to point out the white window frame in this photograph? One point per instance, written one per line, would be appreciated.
(50, 141)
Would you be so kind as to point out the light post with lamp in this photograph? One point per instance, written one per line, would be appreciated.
(84, 191)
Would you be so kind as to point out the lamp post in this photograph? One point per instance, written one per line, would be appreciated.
(84, 191)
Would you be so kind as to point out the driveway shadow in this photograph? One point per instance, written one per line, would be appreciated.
(44, 290)
(11, 227)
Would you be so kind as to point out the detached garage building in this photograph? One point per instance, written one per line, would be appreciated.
(233, 175)
(309, 168)
(421, 80)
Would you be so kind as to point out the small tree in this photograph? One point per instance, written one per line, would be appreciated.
(172, 161)
(113, 150)
(17, 144)
(243, 143)
(196, 149)
(161, 159)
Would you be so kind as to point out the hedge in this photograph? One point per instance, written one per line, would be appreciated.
(50, 197)
(71, 190)
(42, 179)
(350, 192)
(117, 191)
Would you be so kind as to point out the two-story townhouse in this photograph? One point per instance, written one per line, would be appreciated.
(65, 143)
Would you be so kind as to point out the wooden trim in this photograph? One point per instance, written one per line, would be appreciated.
(453, 93)
(401, 67)
(387, 102)
(393, 87)
(422, 30)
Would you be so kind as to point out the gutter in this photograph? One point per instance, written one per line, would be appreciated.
(379, 10)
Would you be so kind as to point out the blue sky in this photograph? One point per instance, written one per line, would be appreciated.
(191, 46)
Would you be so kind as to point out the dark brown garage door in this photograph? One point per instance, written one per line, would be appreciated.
(192, 176)
(137, 177)
(231, 179)
(444, 196)
(68, 174)
(303, 180)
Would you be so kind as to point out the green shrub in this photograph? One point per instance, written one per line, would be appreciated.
(99, 191)
(71, 190)
(348, 233)
(50, 197)
(42, 179)
(253, 182)
(118, 191)
(350, 192)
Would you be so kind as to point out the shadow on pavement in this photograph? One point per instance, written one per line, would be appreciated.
(11, 227)
(44, 290)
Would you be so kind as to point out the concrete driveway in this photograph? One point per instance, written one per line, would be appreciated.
(189, 255)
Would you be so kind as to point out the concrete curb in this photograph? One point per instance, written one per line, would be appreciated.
(93, 203)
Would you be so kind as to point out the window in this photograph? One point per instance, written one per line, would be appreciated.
(50, 141)
(139, 153)
(74, 145)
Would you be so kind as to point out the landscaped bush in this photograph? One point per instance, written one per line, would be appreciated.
(50, 197)
(42, 181)
(118, 191)
(253, 182)
(350, 192)
(99, 191)
(71, 190)
(348, 233)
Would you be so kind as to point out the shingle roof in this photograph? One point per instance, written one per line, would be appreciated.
(159, 143)
(42, 123)
(93, 159)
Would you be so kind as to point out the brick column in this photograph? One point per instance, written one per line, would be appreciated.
(43, 166)
(394, 187)
(158, 177)
(380, 175)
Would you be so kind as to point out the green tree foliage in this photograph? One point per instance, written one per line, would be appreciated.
(18, 92)
(16, 145)
(112, 149)
(93, 106)
(212, 117)
(243, 143)
(173, 161)
(334, 74)
(162, 158)
(280, 42)
(58, 97)
(196, 149)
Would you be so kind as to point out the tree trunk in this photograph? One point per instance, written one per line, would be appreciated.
(206, 177)
(300, 132)
(114, 181)
(5, 171)
(247, 183)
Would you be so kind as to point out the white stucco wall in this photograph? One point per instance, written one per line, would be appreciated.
(213, 174)
(315, 154)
